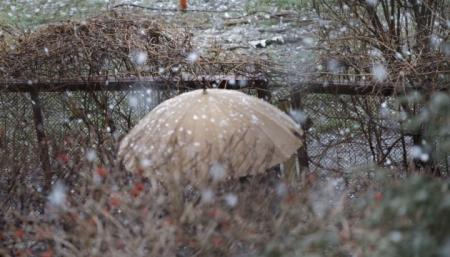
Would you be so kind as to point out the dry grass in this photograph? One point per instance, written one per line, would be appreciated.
(108, 211)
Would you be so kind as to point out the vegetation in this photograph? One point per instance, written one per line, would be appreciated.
(401, 44)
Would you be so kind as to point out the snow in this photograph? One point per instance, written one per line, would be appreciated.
(379, 72)
(91, 155)
(231, 199)
(372, 3)
(309, 41)
(217, 172)
(133, 101)
(138, 57)
(395, 236)
(418, 153)
(192, 57)
(334, 66)
(207, 196)
(436, 41)
(254, 119)
(57, 197)
(298, 116)
(326, 196)
(145, 163)
(281, 189)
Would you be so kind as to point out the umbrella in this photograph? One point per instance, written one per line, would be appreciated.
(215, 133)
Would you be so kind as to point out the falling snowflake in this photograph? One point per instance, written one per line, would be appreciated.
(231, 199)
(207, 196)
(254, 119)
(375, 52)
(435, 41)
(281, 189)
(91, 155)
(57, 197)
(309, 41)
(133, 101)
(419, 153)
(242, 83)
(395, 236)
(138, 57)
(217, 172)
(192, 57)
(372, 3)
(145, 163)
(379, 72)
(298, 116)
(334, 66)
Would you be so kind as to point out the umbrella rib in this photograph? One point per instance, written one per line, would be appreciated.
(269, 118)
(261, 128)
(285, 128)
(229, 143)
(176, 126)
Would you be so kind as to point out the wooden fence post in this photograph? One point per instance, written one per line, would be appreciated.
(290, 168)
(263, 92)
(44, 158)
(303, 159)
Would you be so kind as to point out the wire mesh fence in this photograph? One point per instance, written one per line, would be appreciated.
(359, 131)
(347, 132)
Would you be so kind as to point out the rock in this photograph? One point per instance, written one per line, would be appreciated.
(266, 42)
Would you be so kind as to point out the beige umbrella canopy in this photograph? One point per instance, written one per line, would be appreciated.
(214, 133)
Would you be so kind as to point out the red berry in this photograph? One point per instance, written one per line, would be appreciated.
(63, 158)
(115, 201)
(102, 171)
(20, 234)
(378, 196)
